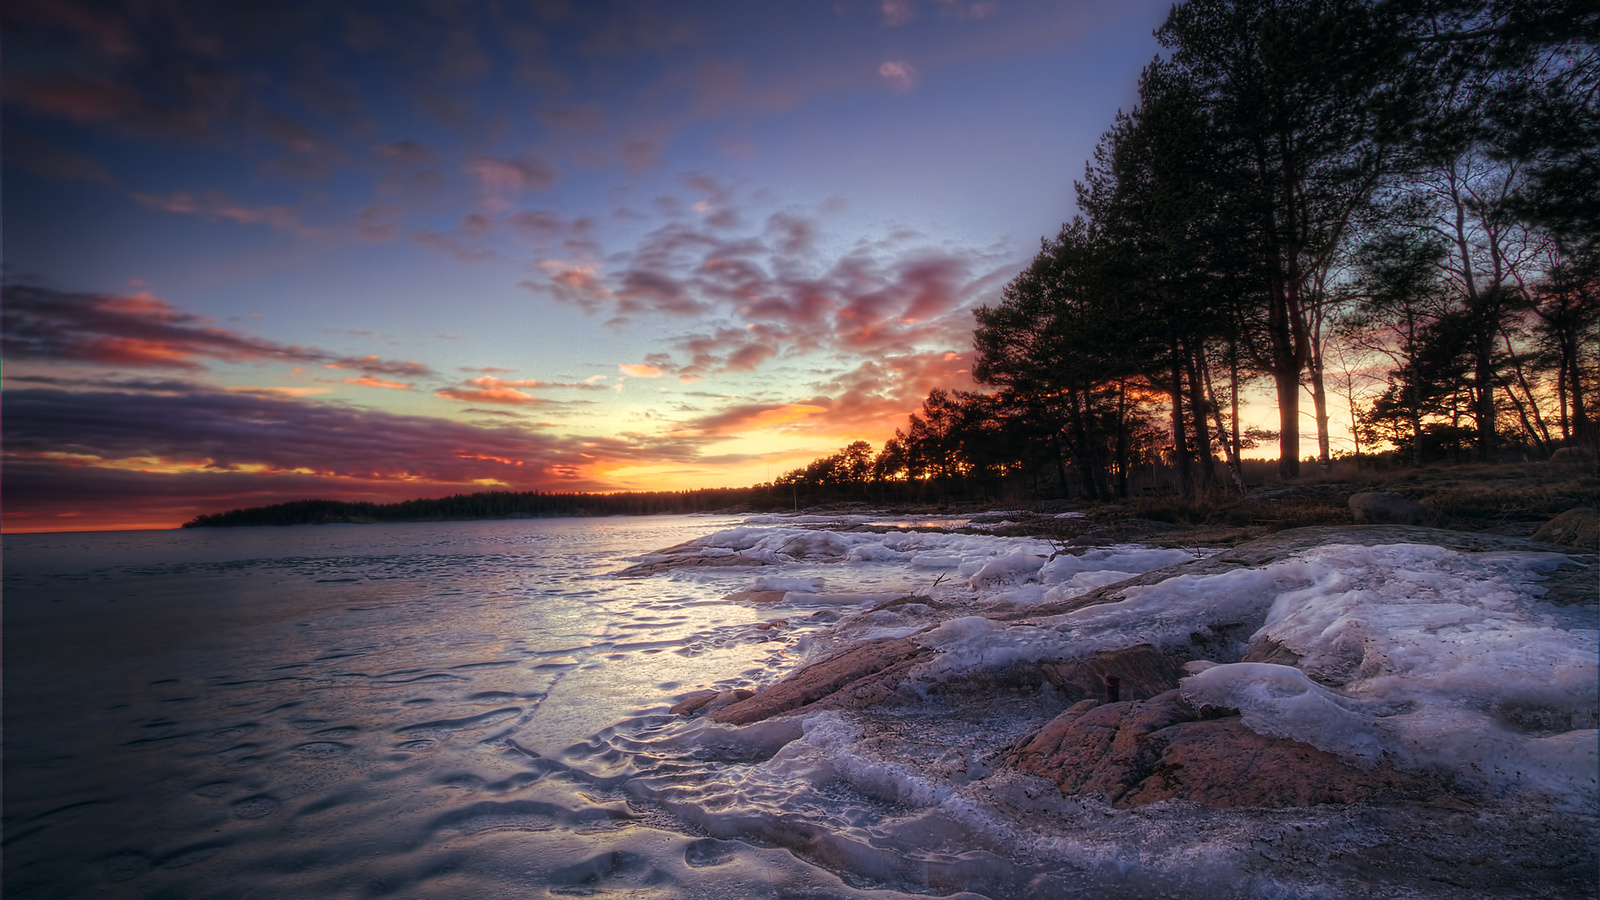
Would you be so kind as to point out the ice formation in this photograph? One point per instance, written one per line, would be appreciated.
(1412, 654)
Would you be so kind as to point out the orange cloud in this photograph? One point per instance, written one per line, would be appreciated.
(489, 395)
(753, 417)
(640, 370)
(370, 381)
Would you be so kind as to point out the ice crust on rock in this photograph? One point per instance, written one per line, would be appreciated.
(1410, 655)
(993, 569)
(1429, 656)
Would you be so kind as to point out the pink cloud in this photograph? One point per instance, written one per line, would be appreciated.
(898, 12)
(370, 381)
(500, 180)
(216, 206)
(143, 330)
(489, 395)
(217, 450)
(899, 75)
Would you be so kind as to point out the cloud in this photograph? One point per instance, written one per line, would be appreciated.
(505, 395)
(217, 206)
(639, 370)
(640, 156)
(157, 459)
(406, 153)
(41, 158)
(283, 390)
(500, 180)
(455, 248)
(752, 417)
(898, 12)
(875, 397)
(142, 330)
(899, 75)
(370, 381)
(489, 381)
(373, 365)
(378, 223)
(241, 431)
(586, 119)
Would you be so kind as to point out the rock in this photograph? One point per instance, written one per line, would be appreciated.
(1268, 650)
(1574, 528)
(1384, 508)
(860, 675)
(1573, 456)
(1137, 752)
(708, 701)
(688, 561)
(1143, 672)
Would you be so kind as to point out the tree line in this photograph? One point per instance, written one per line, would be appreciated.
(1392, 201)
(482, 505)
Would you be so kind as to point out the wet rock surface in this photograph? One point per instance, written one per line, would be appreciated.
(861, 675)
(1135, 752)
(962, 715)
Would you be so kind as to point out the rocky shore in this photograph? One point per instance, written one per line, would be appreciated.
(1436, 685)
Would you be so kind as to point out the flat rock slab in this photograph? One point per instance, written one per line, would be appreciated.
(658, 566)
(860, 675)
(1142, 672)
(1133, 753)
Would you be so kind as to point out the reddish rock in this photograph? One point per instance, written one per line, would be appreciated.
(860, 675)
(1268, 650)
(708, 700)
(691, 704)
(1133, 753)
(688, 561)
(1143, 672)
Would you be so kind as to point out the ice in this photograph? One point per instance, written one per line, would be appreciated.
(1426, 657)
(1010, 569)
(781, 583)
(1442, 660)
(1132, 560)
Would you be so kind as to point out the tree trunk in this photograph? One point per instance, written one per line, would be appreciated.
(1180, 430)
(1197, 417)
(1230, 450)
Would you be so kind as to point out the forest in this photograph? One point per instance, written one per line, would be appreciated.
(1392, 204)
(481, 505)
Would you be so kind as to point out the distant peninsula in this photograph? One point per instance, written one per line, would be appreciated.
(484, 505)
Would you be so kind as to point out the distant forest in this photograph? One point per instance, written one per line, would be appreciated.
(1394, 203)
(1391, 202)
(484, 505)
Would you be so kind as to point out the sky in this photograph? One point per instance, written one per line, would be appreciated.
(384, 250)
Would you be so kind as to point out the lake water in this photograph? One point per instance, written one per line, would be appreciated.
(483, 710)
(441, 710)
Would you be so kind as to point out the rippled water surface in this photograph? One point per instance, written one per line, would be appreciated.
(452, 710)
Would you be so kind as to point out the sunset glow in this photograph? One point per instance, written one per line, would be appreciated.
(413, 250)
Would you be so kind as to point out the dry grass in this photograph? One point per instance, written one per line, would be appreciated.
(1475, 497)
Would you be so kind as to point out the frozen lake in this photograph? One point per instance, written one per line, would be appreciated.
(481, 710)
